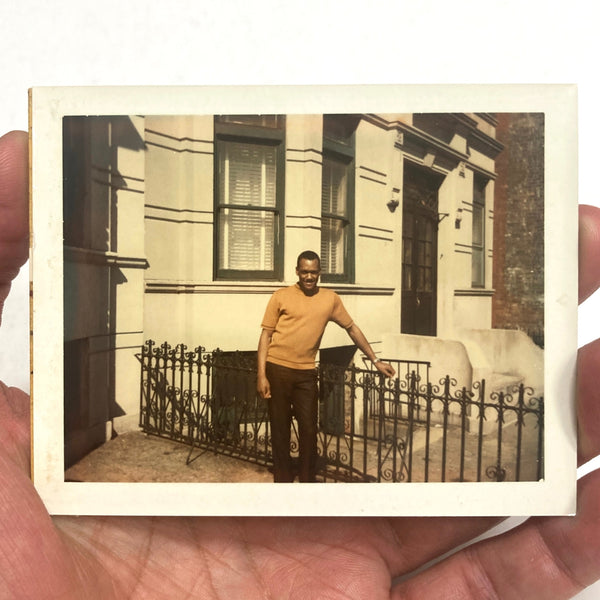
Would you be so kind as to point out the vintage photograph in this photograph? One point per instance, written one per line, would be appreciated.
(333, 297)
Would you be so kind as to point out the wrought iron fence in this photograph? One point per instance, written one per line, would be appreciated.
(371, 428)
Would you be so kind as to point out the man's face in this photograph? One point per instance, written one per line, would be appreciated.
(308, 272)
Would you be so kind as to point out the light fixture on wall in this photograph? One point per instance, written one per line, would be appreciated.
(458, 219)
(394, 201)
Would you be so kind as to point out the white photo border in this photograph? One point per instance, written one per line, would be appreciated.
(555, 495)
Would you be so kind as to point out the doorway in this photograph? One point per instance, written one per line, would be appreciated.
(419, 250)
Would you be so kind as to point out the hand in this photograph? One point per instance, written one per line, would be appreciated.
(14, 225)
(251, 558)
(385, 368)
(263, 387)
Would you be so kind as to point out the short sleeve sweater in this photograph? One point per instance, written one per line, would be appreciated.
(298, 322)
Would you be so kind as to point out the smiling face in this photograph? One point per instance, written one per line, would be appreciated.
(308, 272)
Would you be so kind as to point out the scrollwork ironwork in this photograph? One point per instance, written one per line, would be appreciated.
(496, 472)
(379, 429)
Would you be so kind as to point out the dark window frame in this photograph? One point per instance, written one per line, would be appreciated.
(478, 266)
(340, 149)
(264, 135)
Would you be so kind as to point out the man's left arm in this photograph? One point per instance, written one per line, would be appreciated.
(358, 337)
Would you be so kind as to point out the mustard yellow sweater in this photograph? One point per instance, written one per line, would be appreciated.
(298, 322)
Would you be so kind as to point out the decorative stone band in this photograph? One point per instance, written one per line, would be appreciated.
(190, 287)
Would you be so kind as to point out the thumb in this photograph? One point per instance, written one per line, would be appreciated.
(14, 227)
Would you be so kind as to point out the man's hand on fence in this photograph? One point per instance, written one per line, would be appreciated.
(385, 368)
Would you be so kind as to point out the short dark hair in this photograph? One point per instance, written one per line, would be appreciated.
(308, 255)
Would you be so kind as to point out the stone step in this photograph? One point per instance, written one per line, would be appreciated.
(504, 382)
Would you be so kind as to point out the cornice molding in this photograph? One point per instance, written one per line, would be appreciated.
(488, 118)
(489, 146)
(429, 143)
(475, 138)
(464, 119)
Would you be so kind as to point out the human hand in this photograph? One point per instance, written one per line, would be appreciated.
(263, 387)
(385, 368)
(251, 558)
(14, 227)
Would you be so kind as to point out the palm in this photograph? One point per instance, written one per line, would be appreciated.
(222, 558)
(255, 558)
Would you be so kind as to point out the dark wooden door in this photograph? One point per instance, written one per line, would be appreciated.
(419, 251)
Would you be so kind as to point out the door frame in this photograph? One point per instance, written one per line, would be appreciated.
(425, 209)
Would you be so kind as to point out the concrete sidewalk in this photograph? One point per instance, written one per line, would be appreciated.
(138, 457)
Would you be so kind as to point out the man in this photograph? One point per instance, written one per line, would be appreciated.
(292, 328)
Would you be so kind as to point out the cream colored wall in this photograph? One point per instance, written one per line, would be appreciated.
(224, 320)
(449, 270)
(304, 142)
(471, 312)
(455, 257)
(179, 198)
(129, 337)
(178, 221)
(378, 231)
(228, 314)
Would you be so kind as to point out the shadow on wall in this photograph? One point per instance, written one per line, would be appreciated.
(92, 180)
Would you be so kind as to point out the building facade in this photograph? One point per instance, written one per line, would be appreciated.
(178, 229)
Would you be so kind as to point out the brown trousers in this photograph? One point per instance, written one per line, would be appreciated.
(294, 393)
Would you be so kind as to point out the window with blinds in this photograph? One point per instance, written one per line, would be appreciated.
(478, 234)
(248, 197)
(334, 217)
(337, 198)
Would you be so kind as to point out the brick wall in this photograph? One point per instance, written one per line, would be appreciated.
(518, 278)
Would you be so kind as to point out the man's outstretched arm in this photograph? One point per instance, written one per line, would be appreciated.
(358, 337)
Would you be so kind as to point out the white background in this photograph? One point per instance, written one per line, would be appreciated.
(309, 42)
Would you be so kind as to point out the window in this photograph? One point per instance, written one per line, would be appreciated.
(249, 167)
(337, 198)
(334, 217)
(478, 242)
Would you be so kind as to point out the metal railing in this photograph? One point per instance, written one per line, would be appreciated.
(371, 428)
